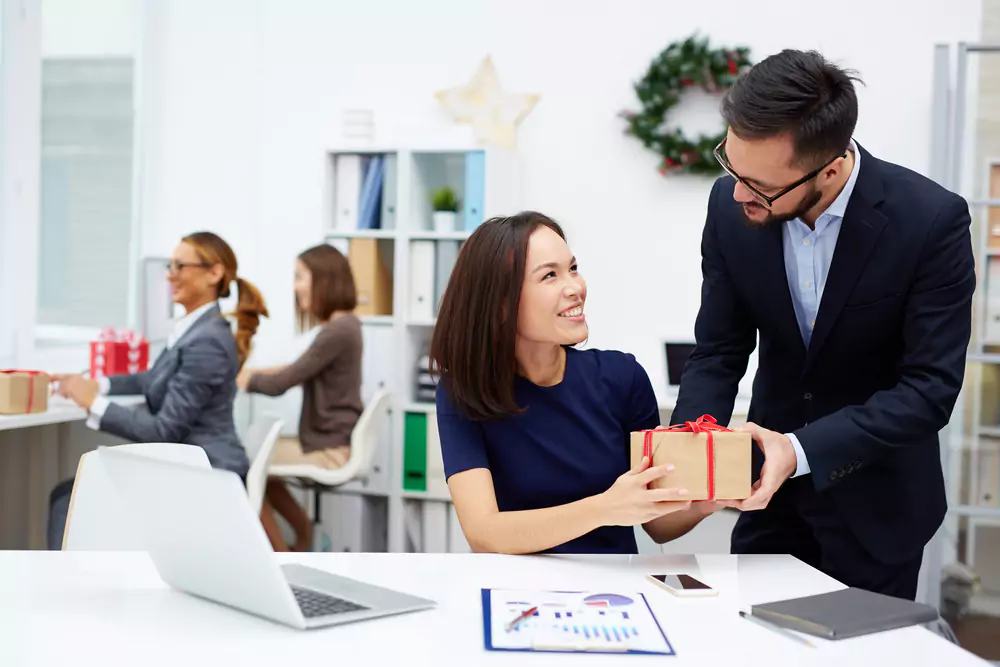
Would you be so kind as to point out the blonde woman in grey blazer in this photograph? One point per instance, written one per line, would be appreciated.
(192, 385)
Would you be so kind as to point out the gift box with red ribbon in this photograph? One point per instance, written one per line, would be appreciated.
(118, 352)
(710, 461)
(23, 392)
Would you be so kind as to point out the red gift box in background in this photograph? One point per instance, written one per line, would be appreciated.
(118, 352)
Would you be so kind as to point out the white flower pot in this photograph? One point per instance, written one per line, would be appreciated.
(444, 221)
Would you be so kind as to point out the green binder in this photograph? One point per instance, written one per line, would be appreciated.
(415, 452)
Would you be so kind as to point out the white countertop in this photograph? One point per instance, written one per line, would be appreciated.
(60, 410)
(113, 609)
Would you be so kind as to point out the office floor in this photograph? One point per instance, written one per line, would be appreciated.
(979, 635)
(978, 631)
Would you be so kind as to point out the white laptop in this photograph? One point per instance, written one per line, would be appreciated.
(205, 539)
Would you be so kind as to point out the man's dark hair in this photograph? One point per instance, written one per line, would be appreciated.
(798, 93)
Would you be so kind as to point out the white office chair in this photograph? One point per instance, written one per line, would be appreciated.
(259, 443)
(95, 521)
(364, 442)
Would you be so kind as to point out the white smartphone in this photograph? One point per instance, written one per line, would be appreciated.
(682, 585)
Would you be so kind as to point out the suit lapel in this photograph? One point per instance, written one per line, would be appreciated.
(859, 232)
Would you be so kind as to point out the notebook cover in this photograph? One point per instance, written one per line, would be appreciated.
(846, 613)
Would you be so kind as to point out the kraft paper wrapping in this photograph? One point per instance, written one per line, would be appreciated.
(23, 392)
(688, 452)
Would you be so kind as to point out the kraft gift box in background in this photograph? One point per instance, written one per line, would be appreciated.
(710, 461)
(23, 392)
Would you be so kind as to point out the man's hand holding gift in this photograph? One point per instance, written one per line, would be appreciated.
(780, 463)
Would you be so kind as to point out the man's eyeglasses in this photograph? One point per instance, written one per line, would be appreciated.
(175, 267)
(766, 200)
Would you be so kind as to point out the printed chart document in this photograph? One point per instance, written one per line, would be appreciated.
(571, 621)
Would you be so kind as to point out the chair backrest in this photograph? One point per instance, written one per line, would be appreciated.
(364, 437)
(259, 443)
(95, 521)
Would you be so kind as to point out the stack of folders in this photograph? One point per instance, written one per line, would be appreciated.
(850, 612)
(365, 192)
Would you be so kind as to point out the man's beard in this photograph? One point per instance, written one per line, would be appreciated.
(807, 203)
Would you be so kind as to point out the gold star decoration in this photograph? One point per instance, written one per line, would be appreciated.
(480, 102)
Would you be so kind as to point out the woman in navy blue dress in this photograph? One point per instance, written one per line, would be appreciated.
(535, 433)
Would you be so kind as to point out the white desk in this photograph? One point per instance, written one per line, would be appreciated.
(61, 410)
(37, 451)
(113, 609)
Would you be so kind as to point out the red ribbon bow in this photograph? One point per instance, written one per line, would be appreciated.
(705, 424)
(31, 385)
(112, 335)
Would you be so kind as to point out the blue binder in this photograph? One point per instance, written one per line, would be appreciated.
(475, 187)
(370, 200)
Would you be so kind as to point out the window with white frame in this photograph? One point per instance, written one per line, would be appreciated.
(84, 261)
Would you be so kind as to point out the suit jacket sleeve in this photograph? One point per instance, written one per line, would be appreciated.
(936, 331)
(725, 335)
(204, 368)
(128, 384)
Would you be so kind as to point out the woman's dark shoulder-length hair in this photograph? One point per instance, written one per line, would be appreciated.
(472, 349)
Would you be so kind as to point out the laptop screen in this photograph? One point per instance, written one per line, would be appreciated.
(677, 356)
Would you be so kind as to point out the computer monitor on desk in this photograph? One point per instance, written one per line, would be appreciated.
(677, 356)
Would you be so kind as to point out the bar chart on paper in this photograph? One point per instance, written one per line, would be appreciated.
(571, 621)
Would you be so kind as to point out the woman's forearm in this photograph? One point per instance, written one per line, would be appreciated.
(531, 531)
(672, 526)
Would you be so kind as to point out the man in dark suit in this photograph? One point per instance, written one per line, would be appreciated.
(857, 276)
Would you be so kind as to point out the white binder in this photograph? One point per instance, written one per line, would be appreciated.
(447, 255)
(436, 483)
(389, 186)
(422, 281)
(347, 176)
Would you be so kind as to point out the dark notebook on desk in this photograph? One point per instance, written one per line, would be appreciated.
(846, 613)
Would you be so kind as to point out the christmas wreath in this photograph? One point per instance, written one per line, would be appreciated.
(678, 67)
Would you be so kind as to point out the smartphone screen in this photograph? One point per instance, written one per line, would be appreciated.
(681, 582)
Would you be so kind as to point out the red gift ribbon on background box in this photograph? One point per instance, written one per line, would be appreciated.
(31, 385)
(705, 424)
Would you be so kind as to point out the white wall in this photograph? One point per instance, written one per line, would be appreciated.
(81, 28)
(243, 96)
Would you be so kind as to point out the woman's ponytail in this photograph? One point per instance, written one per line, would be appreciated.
(249, 309)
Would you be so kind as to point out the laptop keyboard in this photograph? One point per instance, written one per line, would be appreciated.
(315, 604)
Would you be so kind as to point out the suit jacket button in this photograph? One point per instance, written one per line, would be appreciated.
(807, 396)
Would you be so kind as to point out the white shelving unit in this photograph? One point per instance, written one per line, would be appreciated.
(972, 434)
(486, 183)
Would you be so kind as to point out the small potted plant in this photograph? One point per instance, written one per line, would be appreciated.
(445, 206)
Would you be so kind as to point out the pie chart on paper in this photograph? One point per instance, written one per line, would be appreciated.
(607, 600)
